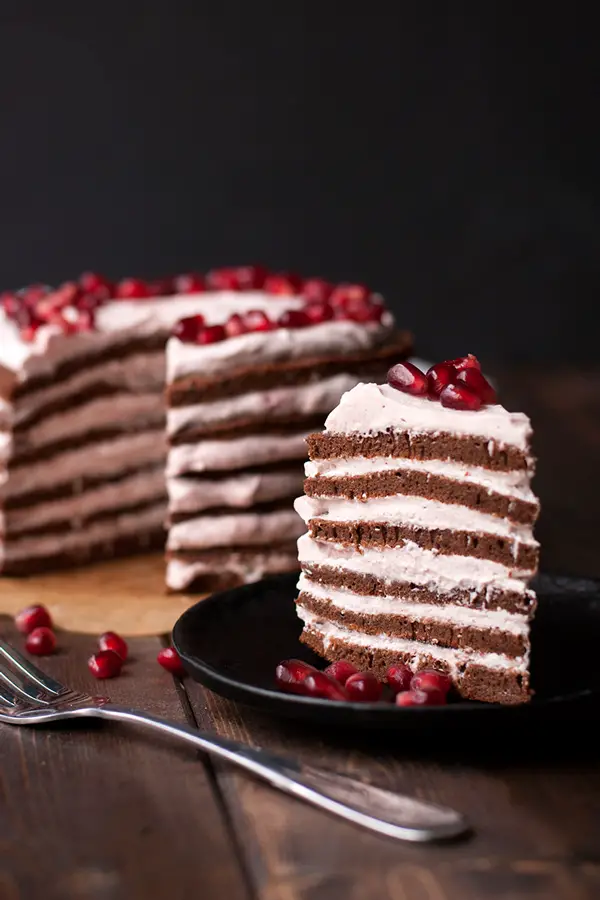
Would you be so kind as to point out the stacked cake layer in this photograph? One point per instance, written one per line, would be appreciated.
(239, 412)
(420, 546)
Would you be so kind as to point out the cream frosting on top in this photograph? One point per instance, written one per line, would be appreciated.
(374, 408)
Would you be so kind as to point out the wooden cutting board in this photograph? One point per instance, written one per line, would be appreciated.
(127, 596)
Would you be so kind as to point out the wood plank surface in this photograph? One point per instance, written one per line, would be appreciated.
(103, 810)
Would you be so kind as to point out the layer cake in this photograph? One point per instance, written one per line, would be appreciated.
(419, 546)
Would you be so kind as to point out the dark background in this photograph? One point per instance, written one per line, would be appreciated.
(448, 157)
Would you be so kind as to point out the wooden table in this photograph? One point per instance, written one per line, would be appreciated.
(109, 812)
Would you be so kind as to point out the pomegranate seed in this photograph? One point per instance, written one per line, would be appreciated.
(105, 664)
(345, 293)
(293, 318)
(211, 334)
(420, 698)
(162, 287)
(251, 278)
(363, 688)
(170, 660)
(438, 377)
(283, 283)
(407, 378)
(431, 680)
(464, 362)
(290, 675)
(190, 283)
(132, 289)
(478, 383)
(358, 310)
(112, 641)
(399, 677)
(33, 617)
(341, 670)
(10, 303)
(318, 312)
(318, 684)
(235, 326)
(257, 320)
(29, 331)
(316, 290)
(33, 293)
(97, 285)
(458, 396)
(187, 329)
(85, 321)
(223, 280)
(41, 641)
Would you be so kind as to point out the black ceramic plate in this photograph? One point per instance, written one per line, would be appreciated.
(232, 642)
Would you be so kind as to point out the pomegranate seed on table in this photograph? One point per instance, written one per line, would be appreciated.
(318, 312)
(187, 329)
(407, 378)
(105, 664)
(226, 279)
(41, 641)
(319, 685)
(170, 660)
(211, 334)
(438, 377)
(477, 382)
(399, 677)
(463, 362)
(132, 289)
(290, 675)
(346, 293)
(420, 698)
(112, 641)
(316, 290)
(189, 283)
(458, 396)
(294, 318)
(431, 680)
(283, 283)
(257, 320)
(33, 617)
(341, 670)
(363, 688)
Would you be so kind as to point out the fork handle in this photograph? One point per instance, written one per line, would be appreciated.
(377, 809)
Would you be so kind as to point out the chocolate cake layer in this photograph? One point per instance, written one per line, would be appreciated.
(472, 680)
(428, 631)
(422, 484)
(371, 586)
(64, 526)
(283, 503)
(369, 364)
(474, 451)
(221, 577)
(502, 550)
(232, 430)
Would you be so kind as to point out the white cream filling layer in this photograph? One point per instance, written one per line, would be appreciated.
(242, 490)
(138, 488)
(411, 563)
(251, 528)
(412, 511)
(418, 653)
(239, 453)
(512, 484)
(512, 623)
(299, 400)
(372, 408)
(181, 573)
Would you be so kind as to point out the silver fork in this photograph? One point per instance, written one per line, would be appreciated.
(29, 697)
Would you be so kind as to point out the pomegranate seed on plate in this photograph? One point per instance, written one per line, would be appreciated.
(132, 289)
(105, 664)
(464, 362)
(318, 312)
(257, 320)
(282, 283)
(420, 698)
(170, 660)
(318, 684)
(458, 396)
(407, 378)
(290, 675)
(187, 329)
(112, 641)
(41, 641)
(33, 617)
(438, 377)
(363, 688)
(189, 283)
(226, 279)
(344, 293)
(316, 290)
(398, 677)
(431, 680)
(293, 318)
(478, 383)
(211, 334)
(341, 670)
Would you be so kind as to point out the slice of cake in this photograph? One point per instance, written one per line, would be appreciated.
(242, 397)
(420, 546)
(82, 409)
